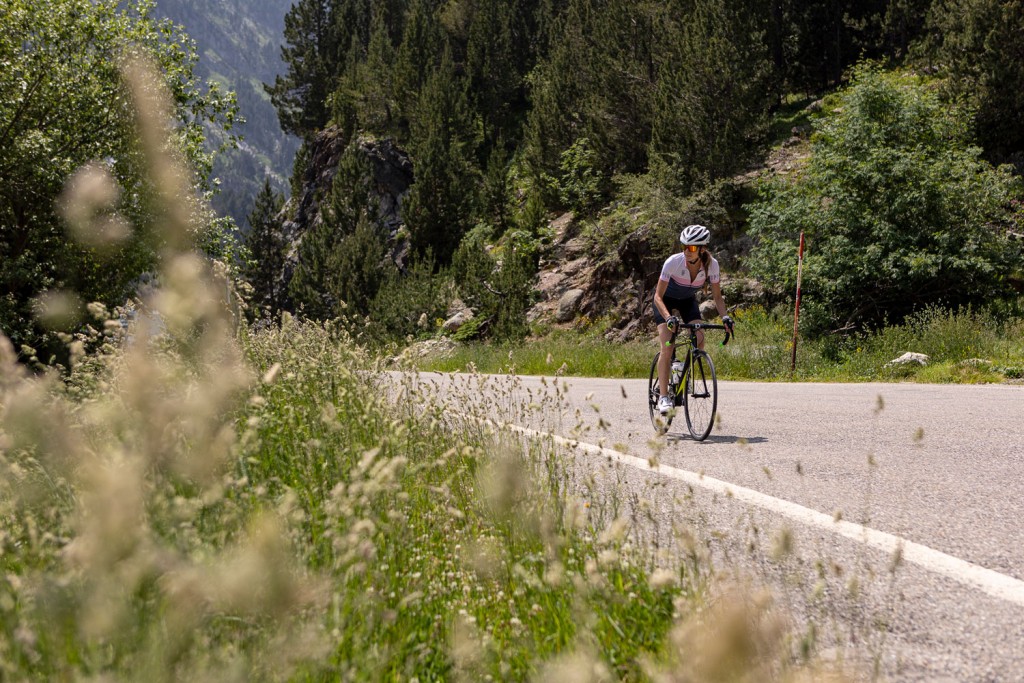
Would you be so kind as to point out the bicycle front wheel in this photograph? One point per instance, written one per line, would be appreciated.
(659, 421)
(701, 397)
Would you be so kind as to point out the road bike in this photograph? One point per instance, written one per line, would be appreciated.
(692, 384)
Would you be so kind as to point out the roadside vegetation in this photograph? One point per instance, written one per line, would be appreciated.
(967, 348)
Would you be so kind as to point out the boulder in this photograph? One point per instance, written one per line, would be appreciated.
(455, 307)
(631, 331)
(708, 310)
(568, 304)
(909, 358)
(453, 323)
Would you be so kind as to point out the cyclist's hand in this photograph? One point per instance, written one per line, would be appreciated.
(729, 332)
(672, 323)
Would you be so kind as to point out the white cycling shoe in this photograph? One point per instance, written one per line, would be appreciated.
(665, 404)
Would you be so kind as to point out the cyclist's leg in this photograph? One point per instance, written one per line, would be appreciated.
(664, 358)
(690, 312)
(665, 352)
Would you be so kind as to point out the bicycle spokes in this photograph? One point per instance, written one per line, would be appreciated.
(701, 396)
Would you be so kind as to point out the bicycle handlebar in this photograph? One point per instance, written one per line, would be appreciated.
(729, 333)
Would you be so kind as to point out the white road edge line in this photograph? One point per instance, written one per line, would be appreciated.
(973, 575)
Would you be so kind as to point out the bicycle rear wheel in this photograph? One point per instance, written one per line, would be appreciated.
(701, 398)
(659, 421)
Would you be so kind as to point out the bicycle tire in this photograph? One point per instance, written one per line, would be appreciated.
(701, 396)
(660, 422)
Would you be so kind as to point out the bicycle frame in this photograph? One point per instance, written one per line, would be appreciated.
(690, 349)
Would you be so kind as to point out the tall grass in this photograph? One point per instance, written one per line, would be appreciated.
(195, 503)
(963, 346)
(564, 353)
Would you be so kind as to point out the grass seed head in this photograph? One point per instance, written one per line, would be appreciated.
(579, 666)
(58, 309)
(88, 207)
(783, 544)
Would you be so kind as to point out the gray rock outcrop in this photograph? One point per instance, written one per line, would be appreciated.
(568, 305)
(391, 175)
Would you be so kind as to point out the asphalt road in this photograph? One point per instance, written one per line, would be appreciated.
(933, 469)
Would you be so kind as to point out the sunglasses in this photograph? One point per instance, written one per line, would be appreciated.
(693, 248)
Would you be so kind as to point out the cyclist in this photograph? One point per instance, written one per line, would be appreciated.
(683, 275)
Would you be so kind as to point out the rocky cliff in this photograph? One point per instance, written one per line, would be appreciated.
(578, 280)
(390, 178)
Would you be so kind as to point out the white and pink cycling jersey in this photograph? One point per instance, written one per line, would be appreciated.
(677, 275)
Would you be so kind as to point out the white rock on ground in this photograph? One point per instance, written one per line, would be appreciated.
(908, 358)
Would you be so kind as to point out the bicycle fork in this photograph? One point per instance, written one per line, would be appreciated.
(699, 382)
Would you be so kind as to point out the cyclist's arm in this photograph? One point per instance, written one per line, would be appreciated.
(716, 292)
(659, 301)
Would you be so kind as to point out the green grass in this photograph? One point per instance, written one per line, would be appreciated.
(792, 114)
(448, 555)
(964, 347)
(561, 354)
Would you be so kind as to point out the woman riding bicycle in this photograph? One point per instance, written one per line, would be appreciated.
(683, 275)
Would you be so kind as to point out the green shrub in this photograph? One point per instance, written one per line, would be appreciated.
(499, 292)
(406, 304)
(580, 183)
(899, 210)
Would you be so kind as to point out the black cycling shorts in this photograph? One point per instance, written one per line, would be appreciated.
(688, 309)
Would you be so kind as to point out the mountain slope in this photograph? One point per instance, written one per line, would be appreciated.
(238, 43)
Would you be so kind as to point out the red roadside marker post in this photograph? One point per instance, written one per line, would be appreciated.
(796, 311)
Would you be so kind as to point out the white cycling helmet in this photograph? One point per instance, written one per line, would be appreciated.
(695, 234)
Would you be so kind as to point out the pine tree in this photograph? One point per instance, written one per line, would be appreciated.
(597, 83)
(357, 266)
(343, 259)
(266, 246)
(438, 208)
(498, 51)
(978, 43)
(300, 96)
(904, 23)
(379, 97)
(345, 101)
(716, 88)
(495, 190)
(352, 21)
(546, 16)
(561, 84)
(310, 286)
(416, 57)
(350, 190)
(813, 43)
